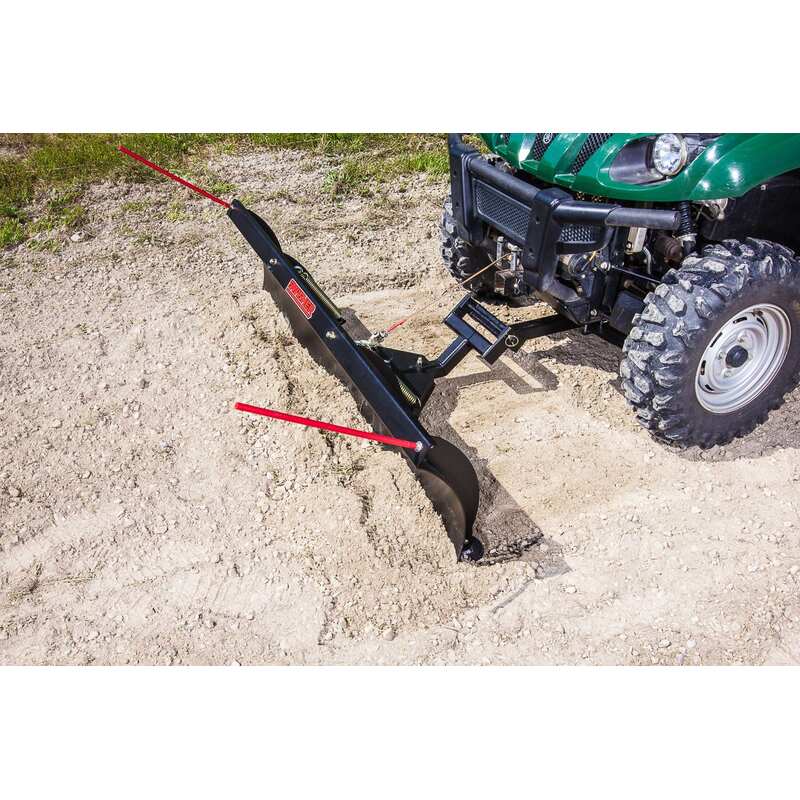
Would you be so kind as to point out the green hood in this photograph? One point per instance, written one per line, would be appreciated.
(729, 166)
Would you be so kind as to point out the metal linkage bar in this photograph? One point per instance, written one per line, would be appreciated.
(522, 332)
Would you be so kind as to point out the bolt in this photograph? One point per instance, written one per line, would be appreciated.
(273, 262)
(720, 355)
(726, 373)
(330, 334)
(592, 313)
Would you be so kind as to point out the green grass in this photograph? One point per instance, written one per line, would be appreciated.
(51, 171)
(11, 232)
(357, 174)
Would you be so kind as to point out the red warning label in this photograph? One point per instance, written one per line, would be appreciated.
(301, 299)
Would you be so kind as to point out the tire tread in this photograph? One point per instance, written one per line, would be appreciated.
(679, 314)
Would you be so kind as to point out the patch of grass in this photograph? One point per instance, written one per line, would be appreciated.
(133, 207)
(148, 239)
(47, 245)
(63, 209)
(346, 179)
(176, 211)
(336, 144)
(217, 186)
(355, 175)
(66, 163)
(61, 166)
(280, 194)
(11, 232)
(73, 216)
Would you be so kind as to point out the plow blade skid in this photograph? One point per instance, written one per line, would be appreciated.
(385, 401)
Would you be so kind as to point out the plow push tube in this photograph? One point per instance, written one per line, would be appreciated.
(443, 470)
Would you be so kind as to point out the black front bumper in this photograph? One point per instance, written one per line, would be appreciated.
(544, 223)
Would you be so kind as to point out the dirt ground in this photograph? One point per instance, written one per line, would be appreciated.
(143, 521)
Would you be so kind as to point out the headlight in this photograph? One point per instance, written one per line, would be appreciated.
(669, 153)
(651, 159)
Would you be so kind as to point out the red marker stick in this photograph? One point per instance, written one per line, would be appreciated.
(327, 426)
(173, 176)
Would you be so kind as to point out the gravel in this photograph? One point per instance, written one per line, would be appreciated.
(180, 532)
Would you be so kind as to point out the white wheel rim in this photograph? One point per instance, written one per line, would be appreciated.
(742, 359)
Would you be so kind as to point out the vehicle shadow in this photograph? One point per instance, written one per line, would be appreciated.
(780, 432)
(504, 528)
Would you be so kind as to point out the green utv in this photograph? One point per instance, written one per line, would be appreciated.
(678, 246)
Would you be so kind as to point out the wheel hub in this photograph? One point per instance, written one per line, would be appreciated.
(743, 358)
(736, 357)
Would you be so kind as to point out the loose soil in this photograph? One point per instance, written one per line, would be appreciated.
(143, 521)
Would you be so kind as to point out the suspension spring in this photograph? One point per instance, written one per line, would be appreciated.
(685, 212)
(686, 231)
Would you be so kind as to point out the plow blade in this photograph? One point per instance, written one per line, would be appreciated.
(386, 399)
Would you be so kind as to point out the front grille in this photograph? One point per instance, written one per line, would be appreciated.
(579, 234)
(512, 218)
(505, 213)
(541, 143)
(592, 144)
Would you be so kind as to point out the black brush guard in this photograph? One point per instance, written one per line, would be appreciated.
(544, 223)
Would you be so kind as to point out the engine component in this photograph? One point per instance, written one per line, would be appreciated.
(715, 209)
(668, 249)
(636, 238)
(578, 264)
(507, 283)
